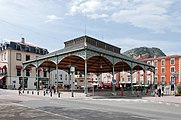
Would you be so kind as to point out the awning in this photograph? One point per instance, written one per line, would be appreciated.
(1, 77)
(28, 68)
(39, 69)
(3, 67)
(18, 67)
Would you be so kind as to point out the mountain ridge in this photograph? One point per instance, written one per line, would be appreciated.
(148, 52)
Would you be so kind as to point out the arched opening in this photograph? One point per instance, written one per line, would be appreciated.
(72, 60)
(98, 64)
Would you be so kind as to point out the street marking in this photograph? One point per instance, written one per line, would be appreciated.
(177, 105)
(142, 117)
(45, 111)
(160, 102)
(168, 104)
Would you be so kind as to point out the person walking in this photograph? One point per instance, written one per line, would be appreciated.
(162, 93)
(159, 92)
(19, 90)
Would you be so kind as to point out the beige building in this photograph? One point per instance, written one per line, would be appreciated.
(12, 55)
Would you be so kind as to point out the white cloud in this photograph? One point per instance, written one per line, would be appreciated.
(149, 14)
(168, 47)
(52, 18)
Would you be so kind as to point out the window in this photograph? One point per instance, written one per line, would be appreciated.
(156, 70)
(60, 76)
(163, 62)
(122, 79)
(37, 50)
(141, 71)
(18, 47)
(18, 72)
(172, 69)
(45, 74)
(172, 61)
(148, 72)
(135, 79)
(129, 78)
(18, 56)
(27, 72)
(25, 81)
(163, 80)
(66, 77)
(155, 62)
(172, 80)
(163, 70)
(148, 79)
(141, 79)
(27, 57)
(27, 49)
(148, 62)
(1, 57)
(5, 56)
(155, 80)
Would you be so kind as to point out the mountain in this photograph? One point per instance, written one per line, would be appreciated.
(145, 51)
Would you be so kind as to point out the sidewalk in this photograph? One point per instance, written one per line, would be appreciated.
(33, 95)
(28, 95)
(165, 99)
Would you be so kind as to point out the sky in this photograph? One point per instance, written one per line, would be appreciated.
(126, 24)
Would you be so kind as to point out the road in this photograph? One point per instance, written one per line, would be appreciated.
(14, 107)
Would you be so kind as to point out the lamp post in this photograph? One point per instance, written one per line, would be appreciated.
(175, 74)
(72, 71)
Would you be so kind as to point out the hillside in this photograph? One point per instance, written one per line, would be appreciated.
(149, 52)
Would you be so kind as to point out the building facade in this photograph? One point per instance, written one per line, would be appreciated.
(167, 72)
(166, 76)
(12, 55)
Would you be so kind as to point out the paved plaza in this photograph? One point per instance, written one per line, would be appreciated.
(13, 94)
(39, 107)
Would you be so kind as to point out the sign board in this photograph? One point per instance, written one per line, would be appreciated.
(114, 81)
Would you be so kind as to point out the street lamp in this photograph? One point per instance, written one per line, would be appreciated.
(72, 71)
(175, 74)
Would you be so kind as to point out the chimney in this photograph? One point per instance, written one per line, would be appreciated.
(23, 40)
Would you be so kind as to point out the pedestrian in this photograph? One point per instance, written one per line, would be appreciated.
(162, 93)
(19, 90)
(159, 92)
(54, 89)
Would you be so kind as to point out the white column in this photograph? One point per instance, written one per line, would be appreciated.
(113, 85)
(85, 81)
(57, 77)
(23, 79)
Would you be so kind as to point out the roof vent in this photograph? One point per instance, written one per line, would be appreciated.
(22, 40)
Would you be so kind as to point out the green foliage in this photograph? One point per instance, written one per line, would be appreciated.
(179, 89)
(151, 52)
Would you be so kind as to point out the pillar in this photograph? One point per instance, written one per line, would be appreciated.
(85, 81)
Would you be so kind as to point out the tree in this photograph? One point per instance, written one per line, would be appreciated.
(179, 89)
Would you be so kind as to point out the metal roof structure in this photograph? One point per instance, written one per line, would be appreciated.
(98, 55)
(88, 55)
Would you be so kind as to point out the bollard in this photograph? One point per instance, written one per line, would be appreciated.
(27, 92)
(44, 93)
(32, 92)
(37, 92)
(59, 94)
(51, 94)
